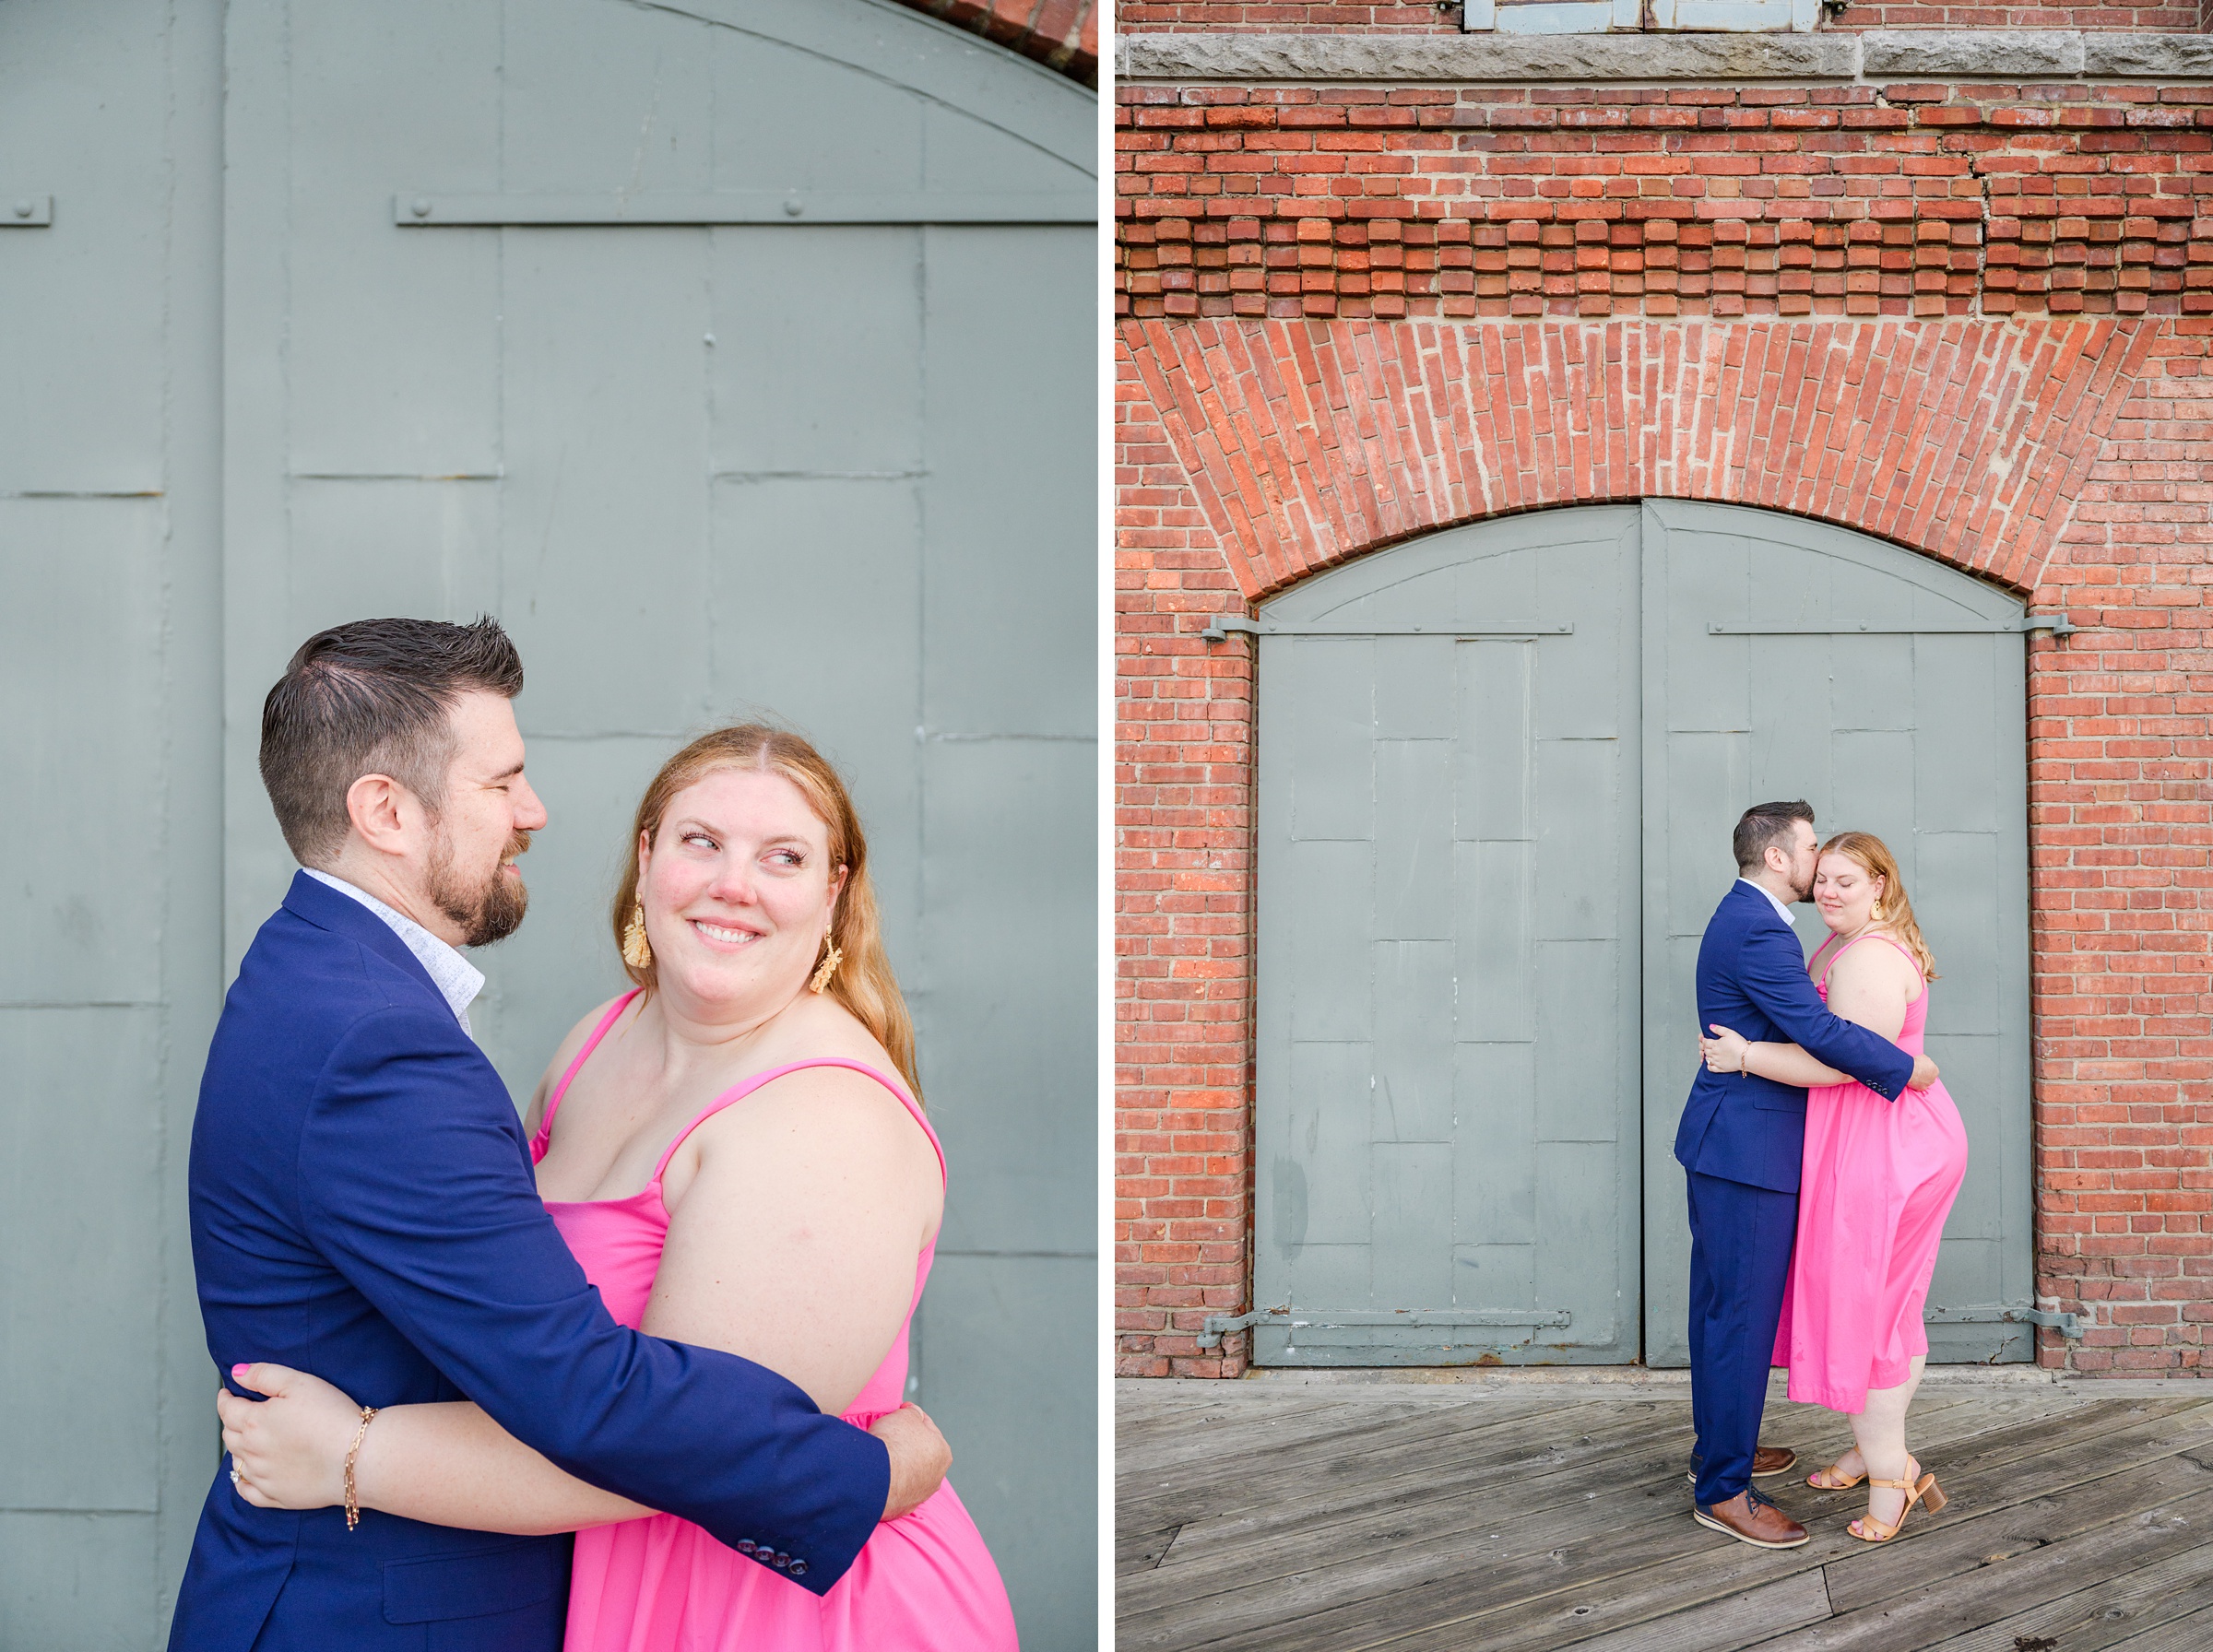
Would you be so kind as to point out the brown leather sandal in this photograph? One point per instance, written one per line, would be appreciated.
(1833, 1478)
(1918, 1487)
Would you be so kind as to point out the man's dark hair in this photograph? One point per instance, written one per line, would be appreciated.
(1766, 823)
(374, 697)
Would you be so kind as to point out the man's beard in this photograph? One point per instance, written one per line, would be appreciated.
(488, 910)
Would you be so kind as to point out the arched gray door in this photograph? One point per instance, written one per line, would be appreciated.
(743, 358)
(1497, 770)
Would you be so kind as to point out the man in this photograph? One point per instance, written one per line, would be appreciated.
(1739, 1144)
(362, 1204)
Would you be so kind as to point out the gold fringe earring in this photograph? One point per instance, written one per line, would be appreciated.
(637, 951)
(831, 958)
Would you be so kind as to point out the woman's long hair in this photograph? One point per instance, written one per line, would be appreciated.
(1874, 859)
(864, 982)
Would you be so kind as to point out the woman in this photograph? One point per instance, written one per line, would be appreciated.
(726, 1152)
(1877, 1180)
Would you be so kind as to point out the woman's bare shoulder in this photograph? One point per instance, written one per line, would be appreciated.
(854, 1114)
(1878, 965)
(564, 1053)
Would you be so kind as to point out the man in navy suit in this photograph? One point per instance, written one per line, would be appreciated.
(1739, 1145)
(363, 1203)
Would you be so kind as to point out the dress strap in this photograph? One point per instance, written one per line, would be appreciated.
(545, 1125)
(1840, 952)
(738, 1092)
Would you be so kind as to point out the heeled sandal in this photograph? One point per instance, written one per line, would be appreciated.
(1919, 1488)
(1834, 1478)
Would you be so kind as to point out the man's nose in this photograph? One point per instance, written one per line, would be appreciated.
(529, 813)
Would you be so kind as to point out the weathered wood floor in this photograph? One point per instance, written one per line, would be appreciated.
(1513, 1516)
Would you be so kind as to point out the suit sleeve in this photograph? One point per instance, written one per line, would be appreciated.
(1772, 972)
(416, 1187)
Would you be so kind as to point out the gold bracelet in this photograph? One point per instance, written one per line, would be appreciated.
(1744, 1062)
(353, 1503)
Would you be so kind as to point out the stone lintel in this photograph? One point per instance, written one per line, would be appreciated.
(1969, 54)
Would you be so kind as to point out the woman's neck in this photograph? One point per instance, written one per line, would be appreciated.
(696, 1033)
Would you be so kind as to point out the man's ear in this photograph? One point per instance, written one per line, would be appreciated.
(382, 811)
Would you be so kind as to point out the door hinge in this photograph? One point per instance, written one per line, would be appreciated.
(1219, 627)
(1332, 1319)
(2057, 624)
(2000, 1312)
(423, 210)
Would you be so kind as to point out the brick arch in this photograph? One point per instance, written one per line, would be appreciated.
(1061, 35)
(1307, 444)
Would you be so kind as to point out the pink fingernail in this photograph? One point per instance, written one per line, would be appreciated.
(238, 1374)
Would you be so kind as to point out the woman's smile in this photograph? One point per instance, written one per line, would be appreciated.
(723, 934)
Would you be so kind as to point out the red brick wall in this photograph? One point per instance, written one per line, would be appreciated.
(1485, 200)
(2069, 459)
(1421, 16)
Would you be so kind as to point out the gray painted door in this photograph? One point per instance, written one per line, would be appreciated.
(1786, 658)
(838, 472)
(1447, 1115)
(1485, 864)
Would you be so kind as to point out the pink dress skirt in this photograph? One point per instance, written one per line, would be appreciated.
(925, 1581)
(1877, 1180)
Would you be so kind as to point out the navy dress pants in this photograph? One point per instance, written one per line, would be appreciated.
(1740, 1261)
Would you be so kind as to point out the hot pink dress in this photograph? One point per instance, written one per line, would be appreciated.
(663, 1585)
(1877, 1180)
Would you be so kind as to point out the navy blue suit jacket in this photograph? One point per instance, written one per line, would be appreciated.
(1752, 980)
(363, 1208)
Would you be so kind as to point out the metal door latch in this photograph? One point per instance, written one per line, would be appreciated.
(1219, 627)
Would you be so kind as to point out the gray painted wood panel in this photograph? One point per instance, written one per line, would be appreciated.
(109, 668)
(841, 477)
(1447, 1059)
(1918, 739)
(1483, 885)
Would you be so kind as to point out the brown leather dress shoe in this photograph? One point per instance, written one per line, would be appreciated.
(1751, 1518)
(1767, 1461)
(1771, 1460)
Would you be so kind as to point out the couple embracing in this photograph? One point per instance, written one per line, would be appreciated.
(666, 1311)
(1822, 1156)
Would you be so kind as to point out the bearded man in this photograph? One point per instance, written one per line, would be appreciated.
(363, 1208)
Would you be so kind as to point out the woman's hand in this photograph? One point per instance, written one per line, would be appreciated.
(288, 1451)
(1724, 1051)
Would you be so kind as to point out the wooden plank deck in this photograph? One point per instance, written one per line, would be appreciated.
(1523, 1512)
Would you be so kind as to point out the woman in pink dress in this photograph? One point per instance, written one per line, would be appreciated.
(1877, 1180)
(736, 1153)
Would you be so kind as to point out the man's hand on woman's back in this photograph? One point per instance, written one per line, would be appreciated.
(920, 1457)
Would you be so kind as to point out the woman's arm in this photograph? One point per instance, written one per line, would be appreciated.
(1868, 986)
(1726, 1052)
(796, 1230)
(448, 1465)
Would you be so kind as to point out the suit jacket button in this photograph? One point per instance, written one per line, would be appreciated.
(799, 1568)
(747, 1545)
(782, 1560)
